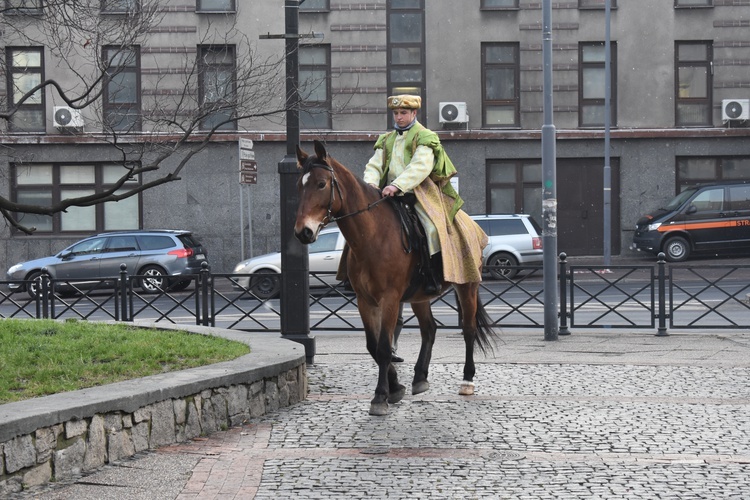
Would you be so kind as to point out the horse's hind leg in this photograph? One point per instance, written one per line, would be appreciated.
(467, 303)
(427, 329)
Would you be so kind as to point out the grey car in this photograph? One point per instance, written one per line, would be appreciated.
(160, 257)
(324, 257)
(515, 240)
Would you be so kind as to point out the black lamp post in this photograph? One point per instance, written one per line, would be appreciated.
(295, 306)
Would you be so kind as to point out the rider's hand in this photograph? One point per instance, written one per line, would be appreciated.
(390, 190)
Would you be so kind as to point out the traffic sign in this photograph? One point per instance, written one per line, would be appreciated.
(248, 167)
(248, 177)
(248, 172)
(247, 154)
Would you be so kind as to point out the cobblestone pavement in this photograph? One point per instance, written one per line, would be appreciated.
(646, 418)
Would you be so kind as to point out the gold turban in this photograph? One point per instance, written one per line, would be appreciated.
(404, 101)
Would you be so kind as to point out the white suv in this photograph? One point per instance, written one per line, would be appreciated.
(515, 240)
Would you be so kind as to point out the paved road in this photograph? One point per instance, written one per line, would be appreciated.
(605, 414)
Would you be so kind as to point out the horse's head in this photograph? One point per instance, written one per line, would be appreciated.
(316, 187)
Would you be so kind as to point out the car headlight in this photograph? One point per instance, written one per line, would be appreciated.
(240, 268)
(654, 226)
(15, 268)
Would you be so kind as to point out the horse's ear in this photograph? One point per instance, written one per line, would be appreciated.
(301, 157)
(320, 150)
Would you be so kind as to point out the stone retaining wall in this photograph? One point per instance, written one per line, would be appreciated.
(64, 435)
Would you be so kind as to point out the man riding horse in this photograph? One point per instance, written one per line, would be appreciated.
(384, 273)
(410, 159)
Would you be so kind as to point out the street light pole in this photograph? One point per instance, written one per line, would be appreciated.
(295, 305)
(607, 125)
(549, 185)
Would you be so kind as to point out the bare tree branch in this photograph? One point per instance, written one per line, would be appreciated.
(171, 126)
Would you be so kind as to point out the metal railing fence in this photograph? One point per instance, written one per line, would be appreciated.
(641, 296)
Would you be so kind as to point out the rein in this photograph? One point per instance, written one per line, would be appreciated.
(335, 184)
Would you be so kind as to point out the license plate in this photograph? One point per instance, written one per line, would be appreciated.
(200, 256)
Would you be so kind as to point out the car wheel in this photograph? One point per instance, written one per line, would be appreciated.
(676, 249)
(154, 279)
(34, 285)
(265, 284)
(503, 264)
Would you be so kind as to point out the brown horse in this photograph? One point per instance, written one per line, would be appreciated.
(380, 271)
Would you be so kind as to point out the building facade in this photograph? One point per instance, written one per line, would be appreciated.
(675, 66)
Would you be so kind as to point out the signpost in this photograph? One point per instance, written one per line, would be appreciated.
(248, 176)
(248, 172)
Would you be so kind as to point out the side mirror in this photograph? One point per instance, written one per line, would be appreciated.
(67, 255)
(691, 210)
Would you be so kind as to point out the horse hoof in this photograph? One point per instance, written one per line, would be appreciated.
(467, 388)
(398, 395)
(420, 387)
(379, 409)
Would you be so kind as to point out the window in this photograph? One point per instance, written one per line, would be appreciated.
(406, 66)
(500, 85)
(502, 227)
(693, 83)
(25, 71)
(216, 89)
(215, 6)
(326, 242)
(46, 184)
(120, 6)
(697, 170)
(122, 89)
(710, 200)
(23, 7)
(315, 6)
(315, 93)
(149, 242)
(591, 84)
(514, 186)
(122, 244)
(596, 4)
(693, 3)
(739, 198)
(89, 247)
(499, 4)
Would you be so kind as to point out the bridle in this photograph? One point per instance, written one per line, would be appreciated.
(336, 187)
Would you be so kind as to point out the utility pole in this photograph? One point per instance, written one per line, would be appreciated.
(607, 125)
(549, 186)
(295, 266)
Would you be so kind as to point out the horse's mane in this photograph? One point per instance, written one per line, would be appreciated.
(358, 179)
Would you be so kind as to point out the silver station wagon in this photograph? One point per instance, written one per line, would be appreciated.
(159, 256)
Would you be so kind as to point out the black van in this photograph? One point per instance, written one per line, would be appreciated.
(704, 218)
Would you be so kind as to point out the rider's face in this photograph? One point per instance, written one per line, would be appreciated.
(404, 117)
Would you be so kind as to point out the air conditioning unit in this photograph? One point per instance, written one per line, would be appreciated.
(453, 112)
(67, 118)
(735, 109)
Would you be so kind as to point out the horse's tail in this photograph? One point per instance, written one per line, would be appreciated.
(487, 336)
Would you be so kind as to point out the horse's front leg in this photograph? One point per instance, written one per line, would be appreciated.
(427, 329)
(387, 390)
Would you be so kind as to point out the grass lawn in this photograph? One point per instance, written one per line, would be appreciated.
(42, 357)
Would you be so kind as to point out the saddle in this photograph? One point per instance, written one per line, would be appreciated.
(429, 271)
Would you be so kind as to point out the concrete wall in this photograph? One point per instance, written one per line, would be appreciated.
(61, 436)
